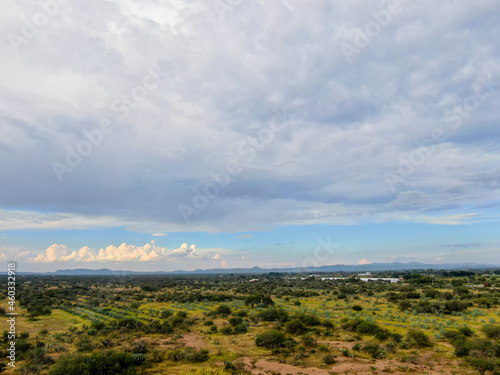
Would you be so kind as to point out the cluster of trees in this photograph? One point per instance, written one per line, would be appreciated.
(481, 353)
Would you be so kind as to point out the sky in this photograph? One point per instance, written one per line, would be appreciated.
(166, 135)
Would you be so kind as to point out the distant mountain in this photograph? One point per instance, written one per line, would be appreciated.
(373, 267)
(85, 271)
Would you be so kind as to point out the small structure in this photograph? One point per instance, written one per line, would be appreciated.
(380, 279)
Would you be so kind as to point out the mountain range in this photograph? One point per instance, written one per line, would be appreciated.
(374, 267)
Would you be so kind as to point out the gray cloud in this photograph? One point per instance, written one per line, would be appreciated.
(222, 81)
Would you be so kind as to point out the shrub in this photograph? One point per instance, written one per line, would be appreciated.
(273, 314)
(235, 320)
(140, 348)
(308, 340)
(223, 310)
(418, 339)
(165, 314)
(308, 319)
(138, 358)
(226, 330)
(466, 331)
(361, 326)
(329, 359)
(107, 363)
(241, 328)
(382, 335)
(188, 354)
(367, 327)
(482, 365)
(492, 332)
(357, 307)
(295, 326)
(396, 337)
(374, 350)
(273, 339)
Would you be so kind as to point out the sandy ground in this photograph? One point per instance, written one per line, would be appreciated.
(350, 366)
(194, 340)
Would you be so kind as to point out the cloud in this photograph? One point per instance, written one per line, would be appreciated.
(246, 235)
(363, 261)
(123, 253)
(185, 251)
(159, 234)
(462, 245)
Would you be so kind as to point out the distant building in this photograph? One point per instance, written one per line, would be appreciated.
(366, 274)
(380, 279)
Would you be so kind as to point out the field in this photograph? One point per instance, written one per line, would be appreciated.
(432, 322)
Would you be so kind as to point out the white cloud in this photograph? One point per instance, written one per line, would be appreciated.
(125, 253)
(363, 261)
(185, 251)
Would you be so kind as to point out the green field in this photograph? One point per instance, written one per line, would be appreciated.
(432, 322)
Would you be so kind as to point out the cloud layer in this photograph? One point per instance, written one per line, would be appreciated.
(123, 253)
(251, 117)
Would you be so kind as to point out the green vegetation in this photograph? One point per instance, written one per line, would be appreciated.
(215, 325)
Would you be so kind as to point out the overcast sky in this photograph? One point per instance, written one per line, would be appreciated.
(162, 135)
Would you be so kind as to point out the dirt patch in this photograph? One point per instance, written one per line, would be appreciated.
(263, 366)
(356, 366)
(194, 340)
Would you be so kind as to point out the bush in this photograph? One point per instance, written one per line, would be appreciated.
(99, 364)
(367, 327)
(188, 354)
(361, 326)
(241, 328)
(308, 319)
(295, 326)
(396, 337)
(492, 332)
(226, 330)
(357, 307)
(273, 339)
(308, 340)
(223, 310)
(273, 314)
(329, 359)
(374, 350)
(417, 338)
(482, 365)
(165, 314)
(466, 331)
(382, 335)
(235, 320)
